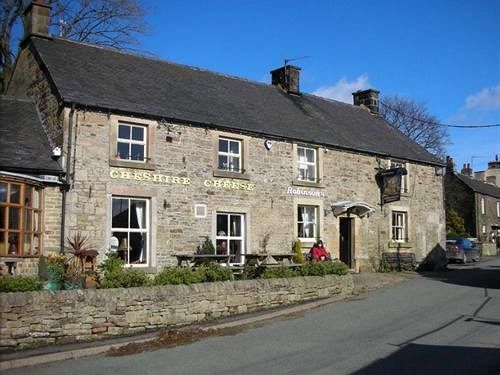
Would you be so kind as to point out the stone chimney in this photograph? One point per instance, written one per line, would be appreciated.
(467, 170)
(287, 77)
(367, 98)
(36, 19)
(450, 166)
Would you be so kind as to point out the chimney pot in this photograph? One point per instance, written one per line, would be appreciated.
(287, 77)
(36, 19)
(367, 98)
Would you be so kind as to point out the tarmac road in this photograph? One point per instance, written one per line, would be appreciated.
(441, 323)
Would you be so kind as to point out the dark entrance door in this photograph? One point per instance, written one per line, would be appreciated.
(346, 245)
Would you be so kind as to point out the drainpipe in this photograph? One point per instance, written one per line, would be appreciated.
(67, 183)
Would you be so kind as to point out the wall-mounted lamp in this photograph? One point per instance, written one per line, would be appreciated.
(439, 170)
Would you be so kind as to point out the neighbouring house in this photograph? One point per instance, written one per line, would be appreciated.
(29, 186)
(159, 155)
(490, 175)
(477, 203)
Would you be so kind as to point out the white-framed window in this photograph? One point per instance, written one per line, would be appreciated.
(399, 226)
(484, 229)
(230, 155)
(130, 226)
(307, 221)
(230, 236)
(498, 209)
(131, 142)
(404, 178)
(483, 211)
(307, 164)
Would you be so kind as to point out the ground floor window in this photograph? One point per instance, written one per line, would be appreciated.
(20, 219)
(230, 239)
(399, 226)
(307, 221)
(130, 226)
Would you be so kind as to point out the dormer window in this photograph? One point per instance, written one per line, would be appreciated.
(230, 156)
(307, 164)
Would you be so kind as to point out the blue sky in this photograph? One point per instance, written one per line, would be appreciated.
(443, 53)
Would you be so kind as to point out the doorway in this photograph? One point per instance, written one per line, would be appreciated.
(346, 245)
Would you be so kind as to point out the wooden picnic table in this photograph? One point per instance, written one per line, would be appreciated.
(199, 259)
(258, 259)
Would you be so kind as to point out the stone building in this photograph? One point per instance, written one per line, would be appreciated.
(477, 202)
(159, 156)
(29, 185)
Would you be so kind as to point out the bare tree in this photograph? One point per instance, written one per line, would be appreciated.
(414, 120)
(111, 23)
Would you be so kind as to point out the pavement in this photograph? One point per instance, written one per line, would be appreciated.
(364, 282)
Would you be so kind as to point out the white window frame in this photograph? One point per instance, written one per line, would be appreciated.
(483, 211)
(498, 209)
(131, 142)
(303, 164)
(146, 230)
(230, 155)
(404, 178)
(304, 222)
(228, 237)
(399, 225)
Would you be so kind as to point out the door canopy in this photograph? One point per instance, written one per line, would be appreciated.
(360, 209)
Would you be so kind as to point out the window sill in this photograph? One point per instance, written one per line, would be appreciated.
(401, 245)
(226, 174)
(131, 164)
(307, 184)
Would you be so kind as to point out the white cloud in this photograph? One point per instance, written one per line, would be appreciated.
(342, 90)
(485, 100)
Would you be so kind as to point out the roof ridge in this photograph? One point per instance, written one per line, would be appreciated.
(17, 98)
(160, 60)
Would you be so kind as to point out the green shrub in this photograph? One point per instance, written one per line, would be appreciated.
(207, 247)
(298, 257)
(176, 275)
(324, 268)
(214, 272)
(280, 272)
(125, 278)
(112, 263)
(19, 284)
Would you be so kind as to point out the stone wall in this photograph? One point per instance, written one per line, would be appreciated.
(38, 318)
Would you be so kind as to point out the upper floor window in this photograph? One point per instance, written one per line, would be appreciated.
(483, 211)
(230, 155)
(20, 219)
(404, 178)
(498, 209)
(131, 142)
(307, 164)
(399, 226)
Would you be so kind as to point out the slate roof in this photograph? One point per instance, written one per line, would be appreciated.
(479, 186)
(104, 78)
(24, 144)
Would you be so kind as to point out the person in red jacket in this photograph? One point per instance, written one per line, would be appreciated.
(319, 253)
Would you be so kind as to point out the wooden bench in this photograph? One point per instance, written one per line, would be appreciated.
(399, 261)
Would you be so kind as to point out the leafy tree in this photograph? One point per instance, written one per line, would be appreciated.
(455, 225)
(414, 120)
(111, 23)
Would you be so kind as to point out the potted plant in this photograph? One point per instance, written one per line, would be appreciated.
(56, 268)
(81, 249)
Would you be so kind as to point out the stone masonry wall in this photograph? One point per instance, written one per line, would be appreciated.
(267, 208)
(38, 318)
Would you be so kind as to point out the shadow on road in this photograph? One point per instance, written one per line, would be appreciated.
(485, 277)
(431, 359)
